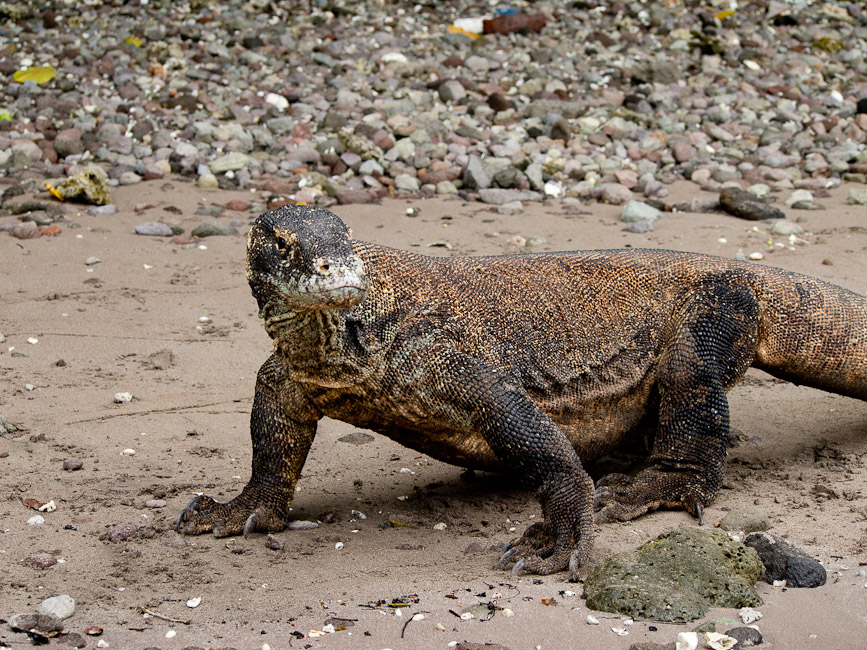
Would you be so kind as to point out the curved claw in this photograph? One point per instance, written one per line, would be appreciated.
(698, 513)
(518, 569)
(197, 504)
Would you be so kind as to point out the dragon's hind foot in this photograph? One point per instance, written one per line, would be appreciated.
(621, 498)
(243, 514)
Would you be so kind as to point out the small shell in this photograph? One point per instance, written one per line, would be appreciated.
(592, 620)
(122, 398)
(194, 602)
(128, 452)
(338, 546)
(440, 526)
(687, 641)
(620, 631)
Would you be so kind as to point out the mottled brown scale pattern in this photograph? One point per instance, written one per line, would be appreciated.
(524, 364)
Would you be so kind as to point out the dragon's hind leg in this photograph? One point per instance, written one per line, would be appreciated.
(711, 344)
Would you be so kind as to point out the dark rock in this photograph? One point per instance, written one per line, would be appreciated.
(746, 636)
(508, 23)
(46, 625)
(498, 102)
(741, 203)
(861, 106)
(214, 229)
(676, 577)
(783, 561)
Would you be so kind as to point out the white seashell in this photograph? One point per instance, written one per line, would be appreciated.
(620, 631)
(48, 507)
(592, 620)
(686, 641)
(128, 452)
(749, 615)
(440, 526)
(508, 612)
(756, 256)
(33, 340)
(171, 634)
(338, 546)
(36, 520)
(717, 641)
(194, 602)
(466, 616)
(122, 398)
(328, 629)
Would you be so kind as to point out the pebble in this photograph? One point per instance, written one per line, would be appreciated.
(154, 229)
(785, 228)
(857, 197)
(637, 211)
(214, 229)
(123, 532)
(784, 562)
(748, 520)
(742, 204)
(614, 193)
(62, 606)
(746, 636)
(73, 464)
(36, 520)
(25, 230)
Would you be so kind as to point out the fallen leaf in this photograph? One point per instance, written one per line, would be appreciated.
(36, 75)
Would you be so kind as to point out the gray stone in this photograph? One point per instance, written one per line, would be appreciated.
(407, 183)
(807, 205)
(61, 606)
(640, 227)
(230, 162)
(446, 187)
(614, 193)
(46, 625)
(129, 178)
(451, 91)
(785, 228)
(534, 175)
(676, 577)
(214, 228)
(123, 532)
(511, 208)
(208, 182)
(73, 464)
(68, 142)
(783, 561)
(153, 229)
(475, 176)
(498, 196)
(749, 520)
(857, 197)
(185, 150)
(635, 211)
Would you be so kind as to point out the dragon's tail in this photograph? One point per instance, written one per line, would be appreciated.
(813, 333)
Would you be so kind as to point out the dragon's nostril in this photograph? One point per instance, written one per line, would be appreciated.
(323, 267)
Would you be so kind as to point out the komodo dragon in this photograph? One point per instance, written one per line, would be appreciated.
(523, 364)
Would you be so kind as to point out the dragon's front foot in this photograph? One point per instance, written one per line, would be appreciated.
(540, 552)
(247, 513)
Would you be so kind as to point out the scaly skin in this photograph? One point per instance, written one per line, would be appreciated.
(523, 364)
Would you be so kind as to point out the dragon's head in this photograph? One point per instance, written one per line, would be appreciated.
(301, 258)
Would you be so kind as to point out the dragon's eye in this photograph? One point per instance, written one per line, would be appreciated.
(282, 244)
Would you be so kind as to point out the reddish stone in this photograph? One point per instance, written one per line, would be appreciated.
(238, 205)
(508, 23)
(278, 202)
(50, 231)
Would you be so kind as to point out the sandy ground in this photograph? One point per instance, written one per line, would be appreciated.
(131, 323)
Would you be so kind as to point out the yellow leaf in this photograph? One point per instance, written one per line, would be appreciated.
(724, 14)
(132, 40)
(36, 75)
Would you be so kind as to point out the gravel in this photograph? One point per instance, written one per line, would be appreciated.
(351, 102)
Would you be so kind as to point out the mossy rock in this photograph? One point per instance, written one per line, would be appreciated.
(88, 184)
(677, 577)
